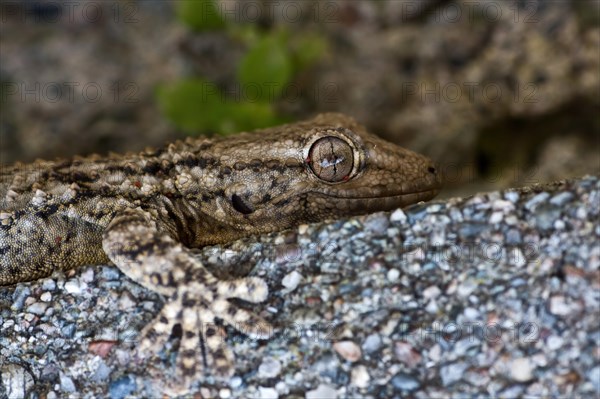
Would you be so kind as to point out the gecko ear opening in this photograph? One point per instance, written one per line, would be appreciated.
(240, 205)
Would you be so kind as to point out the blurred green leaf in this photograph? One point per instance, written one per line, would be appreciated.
(200, 15)
(198, 106)
(193, 105)
(267, 67)
(308, 49)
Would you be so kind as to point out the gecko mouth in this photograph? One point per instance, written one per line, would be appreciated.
(423, 193)
(414, 189)
(381, 200)
(389, 202)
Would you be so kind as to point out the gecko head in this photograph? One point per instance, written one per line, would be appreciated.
(355, 172)
(324, 168)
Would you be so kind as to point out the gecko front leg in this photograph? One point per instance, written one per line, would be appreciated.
(148, 255)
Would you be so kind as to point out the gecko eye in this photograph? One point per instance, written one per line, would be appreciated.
(240, 205)
(331, 159)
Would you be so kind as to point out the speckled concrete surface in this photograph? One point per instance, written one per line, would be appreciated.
(495, 295)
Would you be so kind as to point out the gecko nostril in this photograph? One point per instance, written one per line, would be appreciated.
(431, 169)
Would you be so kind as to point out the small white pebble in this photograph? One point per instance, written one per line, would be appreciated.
(512, 196)
(73, 287)
(66, 384)
(87, 276)
(46, 297)
(7, 324)
(269, 368)
(435, 353)
(433, 291)
(432, 307)
(393, 275)
(225, 393)
(502, 205)
(360, 376)
(398, 216)
(554, 342)
(291, 280)
(471, 313)
(540, 359)
(558, 306)
(126, 302)
(496, 217)
(323, 391)
(302, 229)
(282, 387)
(267, 393)
(518, 258)
(521, 369)
(48, 285)
(235, 382)
(37, 308)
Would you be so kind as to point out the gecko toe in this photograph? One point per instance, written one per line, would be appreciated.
(251, 289)
(242, 320)
(156, 333)
(218, 355)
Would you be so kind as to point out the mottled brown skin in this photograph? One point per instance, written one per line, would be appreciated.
(144, 211)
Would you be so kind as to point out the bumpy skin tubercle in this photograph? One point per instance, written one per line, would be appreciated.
(144, 212)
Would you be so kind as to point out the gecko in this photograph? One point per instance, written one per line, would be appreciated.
(146, 212)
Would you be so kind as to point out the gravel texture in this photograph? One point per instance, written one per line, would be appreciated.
(495, 295)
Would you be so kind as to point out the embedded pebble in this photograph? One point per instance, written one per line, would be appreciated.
(66, 384)
(348, 350)
(102, 372)
(452, 372)
(73, 287)
(407, 354)
(431, 292)
(360, 376)
(48, 284)
(37, 308)
(122, 387)
(372, 343)
(291, 280)
(269, 368)
(594, 377)
(561, 198)
(403, 382)
(512, 196)
(377, 223)
(321, 392)
(19, 296)
(398, 216)
(496, 217)
(558, 305)
(521, 369)
(267, 393)
(393, 275)
(536, 200)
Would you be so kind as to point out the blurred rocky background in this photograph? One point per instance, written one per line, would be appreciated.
(501, 94)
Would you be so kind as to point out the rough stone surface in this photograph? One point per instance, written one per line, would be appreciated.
(490, 328)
